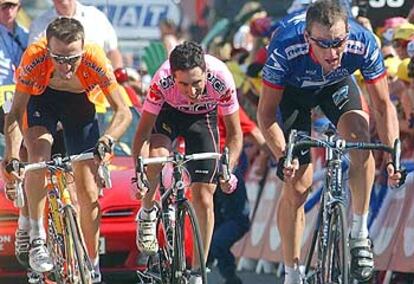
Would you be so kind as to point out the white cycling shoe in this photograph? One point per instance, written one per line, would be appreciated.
(146, 238)
(39, 257)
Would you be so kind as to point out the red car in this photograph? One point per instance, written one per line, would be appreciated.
(118, 251)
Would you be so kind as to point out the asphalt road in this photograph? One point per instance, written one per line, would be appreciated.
(213, 278)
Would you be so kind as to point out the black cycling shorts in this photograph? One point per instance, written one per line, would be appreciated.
(74, 111)
(334, 100)
(200, 133)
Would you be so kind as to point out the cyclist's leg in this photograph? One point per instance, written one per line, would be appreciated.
(22, 239)
(345, 109)
(160, 145)
(81, 133)
(296, 114)
(38, 140)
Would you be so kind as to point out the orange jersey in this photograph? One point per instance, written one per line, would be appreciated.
(36, 67)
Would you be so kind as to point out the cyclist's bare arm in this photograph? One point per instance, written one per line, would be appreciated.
(266, 115)
(143, 134)
(13, 125)
(384, 110)
(386, 120)
(122, 115)
(234, 137)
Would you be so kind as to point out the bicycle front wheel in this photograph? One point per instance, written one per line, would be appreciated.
(336, 253)
(79, 270)
(180, 271)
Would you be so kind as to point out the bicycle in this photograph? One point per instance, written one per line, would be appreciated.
(169, 265)
(330, 237)
(64, 237)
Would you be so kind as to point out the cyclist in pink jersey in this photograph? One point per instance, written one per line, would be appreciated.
(182, 101)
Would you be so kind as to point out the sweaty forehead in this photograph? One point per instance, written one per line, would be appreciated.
(59, 47)
(339, 29)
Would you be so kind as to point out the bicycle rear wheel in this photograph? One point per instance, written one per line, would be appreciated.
(78, 264)
(336, 254)
(180, 273)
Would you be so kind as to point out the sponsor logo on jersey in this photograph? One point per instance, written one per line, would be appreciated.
(217, 84)
(197, 107)
(154, 93)
(226, 98)
(296, 50)
(36, 61)
(167, 82)
(356, 47)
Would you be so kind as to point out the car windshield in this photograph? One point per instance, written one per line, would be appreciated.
(123, 147)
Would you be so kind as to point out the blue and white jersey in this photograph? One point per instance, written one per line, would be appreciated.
(290, 61)
(12, 46)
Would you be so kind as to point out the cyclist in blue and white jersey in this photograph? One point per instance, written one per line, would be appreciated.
(310, 62)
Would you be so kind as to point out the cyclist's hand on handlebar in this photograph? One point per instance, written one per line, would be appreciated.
(396, 178)
(229, 186)
(287, 173)
(104, 149)
(12, 170)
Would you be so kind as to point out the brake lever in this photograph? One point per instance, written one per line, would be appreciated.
(225, 162)
(289, 151)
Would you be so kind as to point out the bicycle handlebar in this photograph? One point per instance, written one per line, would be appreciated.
(179, 158)
(62, 162)
(340, 144)
(57, 161)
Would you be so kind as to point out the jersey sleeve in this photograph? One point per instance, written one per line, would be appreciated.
(228, 101)
(101, 69)
(155, 97)
(373, 63)
(276, 68)
(28, 79)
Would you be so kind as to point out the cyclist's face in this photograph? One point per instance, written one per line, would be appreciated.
(191, 83)
(328, 44)
(66, 58)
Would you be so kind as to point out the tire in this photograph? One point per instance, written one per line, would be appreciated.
(79, 264)
(159, 266)
(335, 267)
(312, 273)
(56, 245)
(180, 272)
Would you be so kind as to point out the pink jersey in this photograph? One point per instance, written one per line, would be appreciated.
(221, 91)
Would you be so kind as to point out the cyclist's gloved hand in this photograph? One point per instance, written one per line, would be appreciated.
(230, 185)
(284, 173)
(12, 172)
(139, 187)
(104, 148)
(396, 179)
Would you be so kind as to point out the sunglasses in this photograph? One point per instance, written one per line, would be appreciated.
(330, 43)
(61, 59)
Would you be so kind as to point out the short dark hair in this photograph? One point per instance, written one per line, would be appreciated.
(65, 29)
(326, 13)
(187, 55)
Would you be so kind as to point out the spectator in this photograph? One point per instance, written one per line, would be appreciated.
(401, 38)
(231, 211)
(97, 27)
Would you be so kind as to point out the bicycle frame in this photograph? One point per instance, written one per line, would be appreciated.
(174, 231)
(332, 216)
(333, 192)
